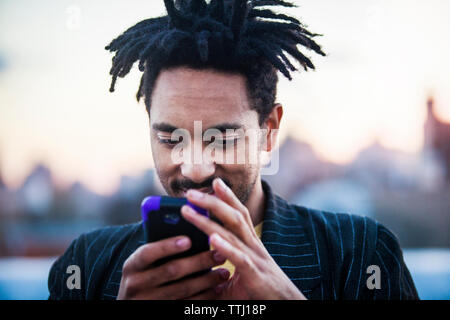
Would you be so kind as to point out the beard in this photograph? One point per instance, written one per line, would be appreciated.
(242, 188)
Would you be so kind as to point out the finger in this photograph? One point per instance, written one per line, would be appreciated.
(227, 195)
(190, 287)
(209, 227)
(148, 253)
(179, 268)
(238, 258)
(232, 219)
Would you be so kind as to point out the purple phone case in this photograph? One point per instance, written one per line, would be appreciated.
(152, 203)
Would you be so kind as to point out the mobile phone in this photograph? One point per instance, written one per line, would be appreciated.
(161, 216)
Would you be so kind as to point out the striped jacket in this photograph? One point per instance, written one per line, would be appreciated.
(326, 255)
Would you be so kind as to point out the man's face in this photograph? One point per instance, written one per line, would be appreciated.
(183, 96)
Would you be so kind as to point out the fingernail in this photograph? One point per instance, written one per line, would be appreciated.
(182, 243)
(188, 209)
(224, 273)
(218, 257)
(194, 194)
(222, 185)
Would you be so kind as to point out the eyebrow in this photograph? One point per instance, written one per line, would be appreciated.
(165, 127)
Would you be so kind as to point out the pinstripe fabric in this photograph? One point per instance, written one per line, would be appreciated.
(324, 254)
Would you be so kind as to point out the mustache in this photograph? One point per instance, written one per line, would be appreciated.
(189, 184)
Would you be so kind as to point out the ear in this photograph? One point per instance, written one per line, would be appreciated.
(272, 125)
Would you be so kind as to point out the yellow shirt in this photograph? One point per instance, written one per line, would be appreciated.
(228, 265)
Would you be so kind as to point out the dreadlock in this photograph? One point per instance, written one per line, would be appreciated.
(236, 36)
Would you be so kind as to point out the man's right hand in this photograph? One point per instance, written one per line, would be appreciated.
(142, 282)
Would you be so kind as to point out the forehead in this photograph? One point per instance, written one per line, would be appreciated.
(183, 95)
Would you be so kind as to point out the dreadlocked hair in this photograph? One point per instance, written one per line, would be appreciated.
(236, 36)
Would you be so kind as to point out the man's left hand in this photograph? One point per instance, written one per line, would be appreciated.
(257, 276)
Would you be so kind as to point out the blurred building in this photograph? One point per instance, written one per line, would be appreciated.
(2, 184)
(37, 192)
(437, 138)
(85, 203)
(343, 195)
(299, 167)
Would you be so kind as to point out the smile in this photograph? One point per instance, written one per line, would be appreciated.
(204, 190)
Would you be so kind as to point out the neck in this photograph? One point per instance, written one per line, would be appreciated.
(256, 203)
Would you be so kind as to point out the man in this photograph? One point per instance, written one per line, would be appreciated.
(217, 63)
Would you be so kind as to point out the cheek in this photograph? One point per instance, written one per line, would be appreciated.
(244, 154)
(237, 173)
(161, 156)
(248, 153)
(241, 178)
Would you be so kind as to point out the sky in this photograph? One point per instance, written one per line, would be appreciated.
(384, 58)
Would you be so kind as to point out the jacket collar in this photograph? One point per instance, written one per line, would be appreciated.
(287, 237)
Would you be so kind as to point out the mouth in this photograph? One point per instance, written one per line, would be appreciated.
(204, 190)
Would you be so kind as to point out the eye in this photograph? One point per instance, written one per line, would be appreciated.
(224, 142)
(169, 141)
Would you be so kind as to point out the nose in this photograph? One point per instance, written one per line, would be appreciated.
(198, 172)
